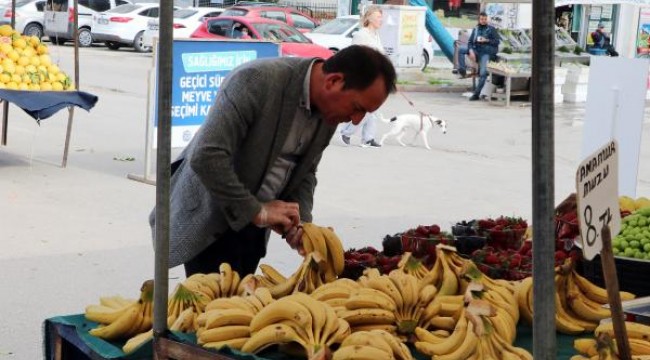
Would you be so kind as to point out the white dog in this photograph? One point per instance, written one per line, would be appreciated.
(420, 123)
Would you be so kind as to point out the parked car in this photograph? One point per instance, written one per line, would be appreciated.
(292, 42)
(29, 16)
(337, 34)
(293, 17)
(59, 19)
(185, 22)
(125, 25)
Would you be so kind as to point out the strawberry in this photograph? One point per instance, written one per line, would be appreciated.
(515, 261)
(492, 258)
(560, 256)
(422, 230)
(434, 230)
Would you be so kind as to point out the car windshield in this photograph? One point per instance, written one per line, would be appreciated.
(336, 26)
(126, 8)
(281, 33)
(184, 13)
(20, 3)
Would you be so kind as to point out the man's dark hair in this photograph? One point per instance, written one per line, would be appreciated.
(360, 66)
(483, 13)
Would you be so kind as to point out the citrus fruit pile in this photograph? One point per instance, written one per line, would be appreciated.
(26, 65)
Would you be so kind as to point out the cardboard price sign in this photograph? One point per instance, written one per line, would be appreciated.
(597, 190)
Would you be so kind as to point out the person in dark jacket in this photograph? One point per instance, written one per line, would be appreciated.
(602, 40)
(483, 46)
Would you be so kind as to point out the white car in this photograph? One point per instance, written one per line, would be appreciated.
(125, 25)
(185, 22)
(337, 34)
(29, 16)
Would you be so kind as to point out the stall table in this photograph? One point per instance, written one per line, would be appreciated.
(505, 97)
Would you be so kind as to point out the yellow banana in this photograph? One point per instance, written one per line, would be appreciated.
(184, 321)
(366, 301)
(317, 311)
(367, 338)
(225, 283)
(342, 332)
(147, 314)
(383, 283)
(331, 291)
(135, 342)
(217, 318)
(426, 336)
(359, 352)
(236, 344)
(234, 285)
(449, 284)
(595, 292)
(400, 351)
(426, 295)
(466, 348)
(115, 302)
(564, 323)
(586, 308)
(121, 327)
(224, 333)
(450, 344)
(271, 335)
(247, 285)
(255, 302)
(234, 302)
(264, 295)
(391, 329)
(634, 330)
(443, 322)
(279, 310)
(586, 346)
(272, 274)
(335, 250)
(503, 325)
(103, 314)
(368, 316)
(525, 308)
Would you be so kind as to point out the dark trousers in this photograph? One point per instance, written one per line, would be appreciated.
(242, 250)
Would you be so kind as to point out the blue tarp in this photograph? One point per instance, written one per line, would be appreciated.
(43, 104)
(437, 30)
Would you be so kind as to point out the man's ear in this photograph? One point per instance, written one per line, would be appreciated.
(334, 81)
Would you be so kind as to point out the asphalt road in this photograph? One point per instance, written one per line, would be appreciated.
(71, 235)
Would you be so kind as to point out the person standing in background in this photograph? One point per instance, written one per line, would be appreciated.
(368, 35)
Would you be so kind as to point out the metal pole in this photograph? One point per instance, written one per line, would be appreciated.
(544, 340)
(75, 32)
(163, 168)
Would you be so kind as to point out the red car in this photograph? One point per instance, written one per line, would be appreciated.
(293, 17)
(292, 42)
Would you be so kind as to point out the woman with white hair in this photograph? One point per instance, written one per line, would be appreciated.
(368, 35)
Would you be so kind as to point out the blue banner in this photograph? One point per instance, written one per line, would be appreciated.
(199, 68)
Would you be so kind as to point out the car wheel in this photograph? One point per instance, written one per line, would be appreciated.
(113, 45)
(56, 40)
(34, 30)
(138, 43)
(84, 37)
(425, 60)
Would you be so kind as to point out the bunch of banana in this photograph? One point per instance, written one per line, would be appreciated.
(634, 330)
(442, 313)
(125, 319)
(336, 293)
(604, 347)
(460, 344)
(324, 241)
(306, 279)
(372, 345)
(296, 318)
(138, 340)
(443, 274)
(411, 265)
(226, 321)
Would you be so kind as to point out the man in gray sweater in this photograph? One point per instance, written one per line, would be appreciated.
(251, 167)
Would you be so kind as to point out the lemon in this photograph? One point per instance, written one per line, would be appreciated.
(57, 86)
(9, 68)
(20, 43)
(5, 78)
(61, 77)
(29, 52)
(6, 30)
(27, 79)
(23, 86)
(34, 87)
(3, 86)
(46, 86)
(23, 60)
(45, 60)
(13, 55)
(1, 69)
(12, 85)
(34, 41)
(53, 69)
(20, 69)
(51, 77)
(16, 78)
(6, 48)
(35, 60)
(30, 69)
(42, 49)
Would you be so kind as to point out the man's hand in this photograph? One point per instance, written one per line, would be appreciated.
(294, 239)
(281, 216)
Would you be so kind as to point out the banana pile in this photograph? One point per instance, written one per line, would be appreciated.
(412, 266)
(604, 346)
(336, 293)
(296, 318)
(226, 321)
(578, 302)
(324, 241)
(374, 344)
(120, 318)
